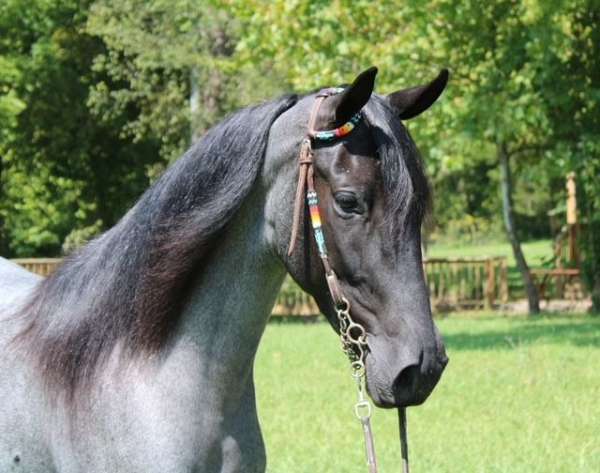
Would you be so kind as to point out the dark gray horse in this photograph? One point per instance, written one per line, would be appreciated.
(137, 354)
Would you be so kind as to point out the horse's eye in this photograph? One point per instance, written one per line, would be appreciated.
(347, 202)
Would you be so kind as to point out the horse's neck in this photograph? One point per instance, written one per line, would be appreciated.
(230, 302)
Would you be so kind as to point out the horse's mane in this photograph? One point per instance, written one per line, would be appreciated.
(128, 284)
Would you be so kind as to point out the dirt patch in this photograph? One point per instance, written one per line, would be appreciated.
(572, 306)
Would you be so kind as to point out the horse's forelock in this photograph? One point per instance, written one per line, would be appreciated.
(406, 189)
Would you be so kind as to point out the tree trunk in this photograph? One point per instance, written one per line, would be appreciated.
(194, 105)
(596, 295)
(509, 223)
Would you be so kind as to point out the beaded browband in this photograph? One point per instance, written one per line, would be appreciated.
(330, 135)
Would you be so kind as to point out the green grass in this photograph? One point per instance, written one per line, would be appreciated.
(536, 252)
(517, 396)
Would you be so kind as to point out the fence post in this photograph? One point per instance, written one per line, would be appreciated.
(490, 286)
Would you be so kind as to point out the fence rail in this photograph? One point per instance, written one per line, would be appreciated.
(41, 266)
(467, 281)
(453, 282)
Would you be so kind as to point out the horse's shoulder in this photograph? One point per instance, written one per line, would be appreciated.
(15, 281)
(12, 272)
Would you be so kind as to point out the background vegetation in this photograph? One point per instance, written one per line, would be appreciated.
(97, 97)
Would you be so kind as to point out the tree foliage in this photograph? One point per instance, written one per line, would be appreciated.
(156, 53)
(62, 170)
(96, 97)
(573, 76)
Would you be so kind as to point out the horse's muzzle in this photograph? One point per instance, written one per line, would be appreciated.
(407, 382)
(414, 384)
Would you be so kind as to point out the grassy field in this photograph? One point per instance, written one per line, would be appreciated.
(517, 396)
(536, 252)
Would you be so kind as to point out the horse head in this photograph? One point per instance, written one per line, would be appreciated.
(372, 197)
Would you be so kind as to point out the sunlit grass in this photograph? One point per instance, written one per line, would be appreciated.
(518, 396)
(536, 252)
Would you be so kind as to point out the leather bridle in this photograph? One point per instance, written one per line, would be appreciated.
(306, 189)
(352, 334)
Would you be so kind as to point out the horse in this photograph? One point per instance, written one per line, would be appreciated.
(136, 354)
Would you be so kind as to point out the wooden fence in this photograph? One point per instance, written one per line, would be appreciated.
(453, 282)
(467, 282)
(41, 266)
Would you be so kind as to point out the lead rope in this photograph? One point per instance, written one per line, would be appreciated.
(403, 438)
(353, 336)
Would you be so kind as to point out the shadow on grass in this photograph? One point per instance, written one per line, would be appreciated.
(581, 334)
(296, 319)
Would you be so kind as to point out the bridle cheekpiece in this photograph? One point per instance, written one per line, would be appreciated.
(306, 187)
(352, 335)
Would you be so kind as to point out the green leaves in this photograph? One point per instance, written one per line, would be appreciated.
(60, 168)
(10, 103)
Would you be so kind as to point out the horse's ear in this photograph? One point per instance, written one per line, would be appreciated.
(411, 102)
(348, 103)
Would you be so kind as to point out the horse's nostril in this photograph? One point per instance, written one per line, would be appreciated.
(406, 379)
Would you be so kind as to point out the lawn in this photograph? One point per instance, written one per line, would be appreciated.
(518, 396)
(536, 252)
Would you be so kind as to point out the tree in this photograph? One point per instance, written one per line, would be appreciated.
(10, 107)
(63, 171)
(572, 73)
(160, 56)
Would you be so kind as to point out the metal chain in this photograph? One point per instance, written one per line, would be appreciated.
(354, 343)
